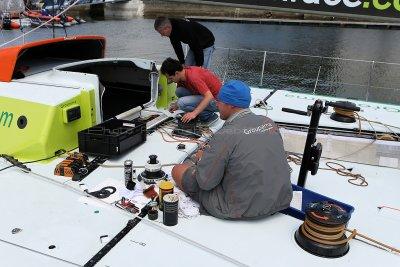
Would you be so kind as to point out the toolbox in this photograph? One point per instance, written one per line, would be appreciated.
(112, 137)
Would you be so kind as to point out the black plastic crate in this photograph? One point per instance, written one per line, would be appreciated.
(112, 137)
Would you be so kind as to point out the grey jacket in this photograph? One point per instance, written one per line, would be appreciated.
(243, 172)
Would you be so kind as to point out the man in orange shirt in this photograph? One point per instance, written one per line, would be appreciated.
(197, 90)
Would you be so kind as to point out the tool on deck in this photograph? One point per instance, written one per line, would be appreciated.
(127, 205)
(77, 166)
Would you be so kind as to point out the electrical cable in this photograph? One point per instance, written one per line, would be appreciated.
(135, 167)
(57, 154)
(177, 140)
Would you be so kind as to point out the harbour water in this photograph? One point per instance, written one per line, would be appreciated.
(298, 58)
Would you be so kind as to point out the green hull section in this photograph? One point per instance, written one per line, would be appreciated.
(31, 131)
(167, 93)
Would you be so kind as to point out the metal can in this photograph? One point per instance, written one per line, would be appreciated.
(170, 213)
(128, 171)
(166, 187)
(153, 212)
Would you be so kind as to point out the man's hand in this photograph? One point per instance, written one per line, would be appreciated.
(173, 107)
(189, 116)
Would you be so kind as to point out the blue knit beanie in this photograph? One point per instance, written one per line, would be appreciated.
(235, 93)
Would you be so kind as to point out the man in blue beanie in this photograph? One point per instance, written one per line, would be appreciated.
(243, 172)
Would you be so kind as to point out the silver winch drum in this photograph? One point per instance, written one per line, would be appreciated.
(152, 172)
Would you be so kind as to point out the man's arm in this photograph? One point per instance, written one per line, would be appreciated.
(177, 173)
(211, 167)
(179, 169)
(176, 44)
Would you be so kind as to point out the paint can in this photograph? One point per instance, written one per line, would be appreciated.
(170, 213)
(165, 187)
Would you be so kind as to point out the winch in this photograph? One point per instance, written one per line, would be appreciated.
(343, 111)
(153, 172)
(322, 232)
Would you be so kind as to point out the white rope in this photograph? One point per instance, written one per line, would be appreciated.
(43, 24)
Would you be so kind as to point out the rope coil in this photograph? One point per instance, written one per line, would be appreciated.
(326, 235)
(345, 112)
(335, 236)
(355, 178)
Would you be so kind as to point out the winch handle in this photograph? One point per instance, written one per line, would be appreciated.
(295, 111)
(340, 105)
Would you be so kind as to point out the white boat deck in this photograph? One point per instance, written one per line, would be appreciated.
(54, 211)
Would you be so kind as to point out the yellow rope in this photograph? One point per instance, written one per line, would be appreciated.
(355, 178)
(332, 235)
(352, 114)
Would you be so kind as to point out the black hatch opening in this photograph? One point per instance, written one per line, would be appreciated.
(124, 85)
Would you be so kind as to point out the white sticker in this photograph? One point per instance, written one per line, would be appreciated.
(389, 162)
(297, 200)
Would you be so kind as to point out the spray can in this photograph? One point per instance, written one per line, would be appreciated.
(166, 187)
(170, 212)
(128, 173)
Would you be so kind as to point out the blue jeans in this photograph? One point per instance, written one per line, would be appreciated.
(208, 52)
(188, 102)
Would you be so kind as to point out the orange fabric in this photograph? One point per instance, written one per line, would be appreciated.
(14, 25)
(9, 55)
(38, 15)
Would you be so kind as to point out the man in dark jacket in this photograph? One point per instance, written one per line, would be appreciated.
(199, 38)
(243, 172)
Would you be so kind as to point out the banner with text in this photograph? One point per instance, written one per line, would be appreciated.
(375, 8)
